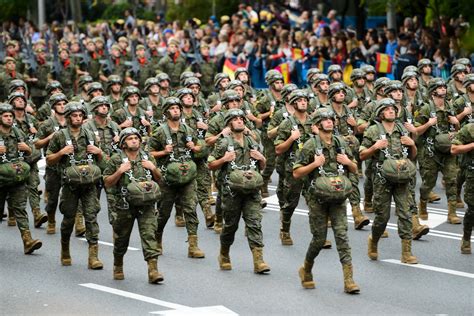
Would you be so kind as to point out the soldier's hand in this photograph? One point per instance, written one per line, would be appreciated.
(319, 160)
(226, 131)
(116, 138)
(453, 120)
(433, 121)
(68, 149)
(24, 147)
(3, 149)
(353, 104)
(125, 166)
(127, 123)
(255, 154)
(29, 109)
(351, 121)
(407, 141)
(145, 122)
(217, 107)
(315, 129)
(147, 164)
(229, 156)
(343, 159)
(202, 125)
(33, 130)
(91, 149)
(169, 149)
(410, 127)
(272, 109)
(381, 143)
(295, 134)
(149, 113)
(190, 145)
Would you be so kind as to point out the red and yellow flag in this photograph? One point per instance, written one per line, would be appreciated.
(297, 53)
(383, 63)
(321, 64)
(284, 69)
(229, 67)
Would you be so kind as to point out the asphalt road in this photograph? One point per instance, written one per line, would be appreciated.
(443, 282)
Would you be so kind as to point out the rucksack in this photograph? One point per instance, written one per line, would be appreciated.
(14, 171)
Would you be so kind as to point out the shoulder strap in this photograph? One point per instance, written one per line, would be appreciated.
(293, 121)
(167, 131)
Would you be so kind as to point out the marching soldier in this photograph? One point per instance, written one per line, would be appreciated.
(113, 90)
(153, 101)
(173, 63)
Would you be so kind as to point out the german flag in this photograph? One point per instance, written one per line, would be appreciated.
(229, 67)
(383, 63)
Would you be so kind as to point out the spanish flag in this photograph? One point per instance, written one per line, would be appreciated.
(321, 64)
(297, 53)
(383, 63)
(285, 71)
(229, 67)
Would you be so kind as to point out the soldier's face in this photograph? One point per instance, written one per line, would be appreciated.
(59, 107)
(115, 53)
(426, 70)
(133, 143)
(103, 110)
(370, 77)
(412, 83)
(188, 100)
(336, 76)
(234, 104)
(205, 51)
(324, 86)
(116, 87)
(172, 48)
(56, 90)
(175, 112)
(340, 96)
(7, 119)
(20, 89)
(397, 95)
(133, 99)
(154, 89)
(278, 85)
(470, 88)
(360, 82)
(76, 119)
(195, 88)
(141, 53)
(389, 114)
(11, 50)
(240, 91)
(164, 84)
(243, 77)
(91, 46)
(301, 105)
(10, 66)
(237, 124)
(327, 125)
(224, 83)
(460, 76)
(96, 93)
(19, 103)
(64, 55)
(441, 91)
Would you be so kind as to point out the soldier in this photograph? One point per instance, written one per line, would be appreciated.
(73, 150)
(10, 73)
(266, 106)
(466, 62)
(44, 111)
(131, 115)
(173, 146)
(67, 73)
(173, 63)
(335, 74)
(195, 120)
(93, 65)
(200, 103)
(52, 176)
(359, 91)
(83, 85)
(28, 125)
(123, 45)
(152, 103)
(21, 87)
(425, 69)
(344, 126)
(310, 75)
(412, 95)
(321, 158)
(319, 88)
(463, 143)
(115, 65)
(124, 169)
(99, 46)
(37, 79)
(292, 134)
(207, 69)
(153, 51)
(14, 172)
(95, 89)
(242, 74)
(137, 77)
(221, 80)
(455, 87)
(388, 143)
(237, 154)
(370, 73)
(113, 89)
(165, 82)
(251, 112)
(436, 124)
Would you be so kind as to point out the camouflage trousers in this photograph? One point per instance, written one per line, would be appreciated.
(52, 183)
(368, 181)
(319, 213)
(383, 193)
(469, 199)
(461, 175)
(429, 168)
(270, 155)
(280, 191)
(70, 197)
(203, 183)
(247, 207)
(354, 144)
(147, 223)
(186, 196)
(16, 198)
(291, 195)
(32, 184)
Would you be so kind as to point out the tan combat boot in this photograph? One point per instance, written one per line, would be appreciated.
(218, 224)
(118, 268)
(327, 244)
(459, 202)
(349, 285)
(209, 216)
(39, 217)
(359, 220)
(385, 234)
(422, 212)
(285, 234)
(259, 266)
(154, 277)
(466, 246)
(179, 217)
(11, 219)
(368, 208)
(306, 276)
(264, 189)
(51, 228)
(224, 258)
(372, 251)
(65, 253)
(433, 197)
(94, 263)
(407, 256)
(79, 224)
(212, 199)
(159, 241)
(452, 217)
(30, 244)
(193, 249)
(418, 230)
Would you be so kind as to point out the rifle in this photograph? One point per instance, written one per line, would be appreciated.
(196, 64)
(30, 59)
(57, 66)
(107, 63)
(85, 58)
(133, 65)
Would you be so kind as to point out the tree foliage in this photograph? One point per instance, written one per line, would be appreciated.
(201, 9)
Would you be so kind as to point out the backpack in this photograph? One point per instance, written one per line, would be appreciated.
(244, 179)
(329, 186)
(15, 171)
(442, 140)
(395, 170)
(180, 170)
(82, 172)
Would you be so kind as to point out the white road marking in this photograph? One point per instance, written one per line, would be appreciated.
(109, 244)
(176, 309)
(426, 267)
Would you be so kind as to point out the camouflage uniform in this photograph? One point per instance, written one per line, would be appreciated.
(38, 89)
(173, 67)
(67, 78)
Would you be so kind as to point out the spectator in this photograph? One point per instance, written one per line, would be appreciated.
(410, 58)
(333, 22)
(392, 44)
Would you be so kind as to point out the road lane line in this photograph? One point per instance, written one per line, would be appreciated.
(109, 244)
(426, 267)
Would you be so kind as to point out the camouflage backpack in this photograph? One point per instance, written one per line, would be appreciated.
(14, 171)
(333, 187)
